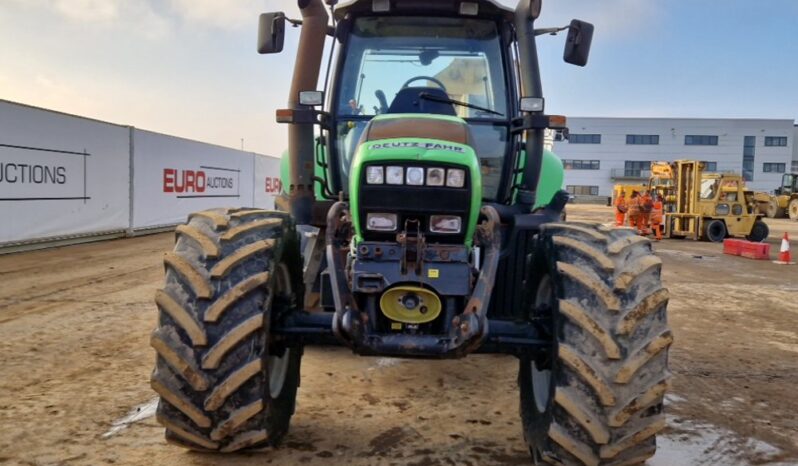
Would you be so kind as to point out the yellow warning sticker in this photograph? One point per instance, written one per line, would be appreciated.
(396, 326)
(433, 273)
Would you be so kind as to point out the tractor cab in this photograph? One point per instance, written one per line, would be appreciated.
(429, 71)
(789, 185)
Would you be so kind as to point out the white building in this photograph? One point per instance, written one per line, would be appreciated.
(795, 152)
(604, 151)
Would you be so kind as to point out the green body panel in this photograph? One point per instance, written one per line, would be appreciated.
(552, 176)
(466, 158)
(285, 176)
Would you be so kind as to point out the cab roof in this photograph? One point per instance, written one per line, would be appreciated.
(487, 8)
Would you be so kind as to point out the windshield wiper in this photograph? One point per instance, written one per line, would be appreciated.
(446, 100)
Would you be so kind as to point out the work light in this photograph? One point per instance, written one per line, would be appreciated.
(415, 176)
(395, 175)
(455, 178)
(436, 176)
(375, 175)
(381, 222)
(447, 224)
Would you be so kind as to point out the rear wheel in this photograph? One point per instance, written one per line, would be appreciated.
(773, 210)
(598, 398)
(715, 231)
(759, 232)
(793, 209)
(225, 383)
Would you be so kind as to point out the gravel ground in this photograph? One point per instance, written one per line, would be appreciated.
(75, 364)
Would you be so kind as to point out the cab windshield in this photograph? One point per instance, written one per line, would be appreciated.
(393, 63)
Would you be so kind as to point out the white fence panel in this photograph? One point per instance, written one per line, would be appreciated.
(60, 175)
(267, 181)
(173, 177)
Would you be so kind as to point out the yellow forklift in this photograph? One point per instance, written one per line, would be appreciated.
(705, 206)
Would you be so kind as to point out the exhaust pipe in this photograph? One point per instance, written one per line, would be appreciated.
(301, 145)
(525, 14)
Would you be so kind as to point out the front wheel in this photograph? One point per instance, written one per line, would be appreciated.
(793, 210)
(225, 383)
(597, 397)
(759, 232)
(715, 231)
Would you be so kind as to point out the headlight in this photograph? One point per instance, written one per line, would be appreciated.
(415, 176)
(435, 176)
(722, 209)
(455, 178)
(396, 175)
(381, 222)
(375, 175)
(448, 224)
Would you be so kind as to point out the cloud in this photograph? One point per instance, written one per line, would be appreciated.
(222, 14)
(612, 18)
(88, 10)
(129, 17)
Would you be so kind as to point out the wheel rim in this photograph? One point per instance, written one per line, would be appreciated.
(716, 231)
(278, 369)
(541, 378)
(278, 365)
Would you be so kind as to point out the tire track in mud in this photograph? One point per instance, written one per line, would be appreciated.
(14, 308)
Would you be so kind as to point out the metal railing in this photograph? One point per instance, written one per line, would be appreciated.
(629, 174)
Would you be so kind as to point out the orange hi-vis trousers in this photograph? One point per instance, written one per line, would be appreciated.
(642, 224)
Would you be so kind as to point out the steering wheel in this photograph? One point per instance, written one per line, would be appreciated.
(428, 78)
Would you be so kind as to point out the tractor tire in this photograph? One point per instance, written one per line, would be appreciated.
(598, 399)
(715, 231)
(224, 383)
(793, 210)
(759, 232)
(773, 210)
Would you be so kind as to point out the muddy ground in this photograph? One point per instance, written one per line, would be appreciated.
(75, 361)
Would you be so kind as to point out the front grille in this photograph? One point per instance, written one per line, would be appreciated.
(415, 203)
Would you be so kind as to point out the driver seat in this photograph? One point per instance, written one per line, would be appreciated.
(408, 100)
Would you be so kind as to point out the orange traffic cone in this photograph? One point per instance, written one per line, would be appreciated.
(785, 258)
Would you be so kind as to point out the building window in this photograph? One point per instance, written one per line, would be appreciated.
(581, 164)
(579, 190)
(749, 153)
(635, 168)
(647, 139)
(775, 141)
(710, 166)
(774, 167)
(698, 140)
(795, 166)
(584, 138)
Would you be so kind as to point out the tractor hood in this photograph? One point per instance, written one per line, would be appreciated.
(432, 145)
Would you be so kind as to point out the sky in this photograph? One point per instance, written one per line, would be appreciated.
(189, 67)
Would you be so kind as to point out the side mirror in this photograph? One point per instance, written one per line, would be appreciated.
(577, 45)
(271, 32)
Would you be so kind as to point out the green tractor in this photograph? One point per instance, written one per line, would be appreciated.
(421, 219)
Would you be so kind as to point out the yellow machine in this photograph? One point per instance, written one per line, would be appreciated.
(784, 201)
(706, 206)
(661, 183)
(627, 190)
